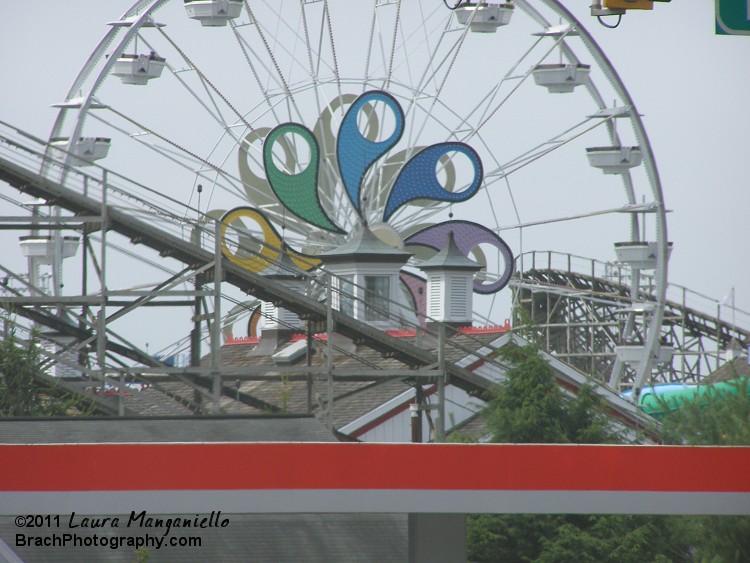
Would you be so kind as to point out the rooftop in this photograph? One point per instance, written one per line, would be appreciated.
(450, 258)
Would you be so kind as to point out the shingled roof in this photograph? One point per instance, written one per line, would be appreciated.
(274, 382)
(352, 399)
(738, 367)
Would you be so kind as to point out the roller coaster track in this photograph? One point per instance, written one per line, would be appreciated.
(578, 316)
(576, 312)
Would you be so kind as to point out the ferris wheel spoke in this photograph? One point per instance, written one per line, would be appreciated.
(204, 78)
(245, 49)
(326, 168)
(392, 56)
(279, 75)
(265, 91)
(410, 216)
(430, 70)
(214, 114)
(329, 27)
(183, 150)
(289, 48)
(448, 62)
(184, 159)
(305, 62)
(308, 44)
(292, 110)
(488, 114)
(487, 101)
(541, 150)
(379, 72)
(560, 219)
(370, 42)
(313, 73)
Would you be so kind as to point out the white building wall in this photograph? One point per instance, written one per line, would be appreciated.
(459, 406)
(60, 369)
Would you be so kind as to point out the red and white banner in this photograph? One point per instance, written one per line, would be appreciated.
(359, 477)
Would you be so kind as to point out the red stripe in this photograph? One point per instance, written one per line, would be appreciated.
(248, 466)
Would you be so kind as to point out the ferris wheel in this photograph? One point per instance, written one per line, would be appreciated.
(301, 121)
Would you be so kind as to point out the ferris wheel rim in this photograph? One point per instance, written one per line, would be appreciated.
(144, 9)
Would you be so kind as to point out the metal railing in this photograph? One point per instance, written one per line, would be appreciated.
(678, 295)
(148, 217)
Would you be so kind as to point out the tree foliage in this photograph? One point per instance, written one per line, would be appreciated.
(21, 394)
(721, 420)
(530, 407)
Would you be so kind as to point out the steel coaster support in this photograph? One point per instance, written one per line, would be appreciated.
(440, 427)
(216, 327)
(329, 348)
(192, 255)
(101, 332)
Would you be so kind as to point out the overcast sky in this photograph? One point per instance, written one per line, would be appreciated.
(691, 85)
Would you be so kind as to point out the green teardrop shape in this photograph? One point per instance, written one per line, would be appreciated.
(297, 192)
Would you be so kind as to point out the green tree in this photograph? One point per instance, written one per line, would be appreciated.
(530, 407)
(721, 419)
(21, 394)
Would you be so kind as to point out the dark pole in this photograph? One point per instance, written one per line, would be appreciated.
(416, 416)
(308, 361)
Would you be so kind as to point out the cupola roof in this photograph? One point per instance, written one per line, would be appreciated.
(450, 258)
(364, 245)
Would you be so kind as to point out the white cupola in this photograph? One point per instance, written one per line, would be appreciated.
(450, 285)
(366, 283)
(288, 274)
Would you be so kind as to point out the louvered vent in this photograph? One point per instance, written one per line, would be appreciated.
(458, 296)
(434, 307)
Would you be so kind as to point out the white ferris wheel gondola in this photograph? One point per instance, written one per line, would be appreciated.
(213, 13)
(301, 66)
(484, 17)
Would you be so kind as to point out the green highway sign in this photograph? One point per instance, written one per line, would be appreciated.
(733, 17)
